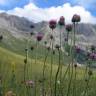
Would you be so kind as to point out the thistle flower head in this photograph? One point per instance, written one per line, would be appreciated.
(93, 48)
(32, 48)
(39, 36)
(32, 33)
(10, 93)
(93, 56)
(25, 61)
(45, 42)
(26, 49)
(57, 46)
(52, 24)
(53, 52)
(32, 26)
(68, 27)
(66, 39)
(77, 49)
(1, 37)
(90, 72)
(61, 21)
(41, 80)
(76, 18)
(75, 65)
(29, 83)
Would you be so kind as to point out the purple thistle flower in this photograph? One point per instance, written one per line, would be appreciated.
(10, 93)
(88, 54)
(93, 56)
(77, 49)
(61, 21)
(69, 27)
(76, 18)
(39, 36)
(29, 83)
(52, 24)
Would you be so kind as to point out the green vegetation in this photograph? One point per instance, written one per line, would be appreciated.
(10, 61)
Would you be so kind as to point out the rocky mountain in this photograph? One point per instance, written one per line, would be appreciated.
(19, 26)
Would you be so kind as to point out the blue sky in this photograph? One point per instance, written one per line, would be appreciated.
(10, 4)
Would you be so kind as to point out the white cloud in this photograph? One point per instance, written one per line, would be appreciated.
(32, 12)
(85, 3)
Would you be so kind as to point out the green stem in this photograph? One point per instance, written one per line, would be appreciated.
(69, 85)
(55, 91)
(25, 65)
(44, 66)
(51, 71)
(36, 65)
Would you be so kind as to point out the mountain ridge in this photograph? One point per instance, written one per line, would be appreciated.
(20, 26)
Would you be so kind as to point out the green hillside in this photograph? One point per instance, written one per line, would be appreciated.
(10, 61)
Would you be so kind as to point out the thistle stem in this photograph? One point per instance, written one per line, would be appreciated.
(44, 66)
(55, 91)
(69, 85)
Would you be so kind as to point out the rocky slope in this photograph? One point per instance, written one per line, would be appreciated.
(19, 26)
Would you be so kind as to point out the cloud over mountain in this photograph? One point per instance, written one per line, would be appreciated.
(32, 12)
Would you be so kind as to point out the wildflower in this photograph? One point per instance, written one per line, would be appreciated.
(26, 49)
(93, 56)
(90, 72)
(76, 18)
(86, 80)
(10, 93)
(61, 21)
(53, 52)
(39, 36)
(75, 65)
(25, 61)
(57, 46)
(32, 33)
(52, 24)
(32, 26)
(41, 80)
(45, 42)
(1, 37)
(93, 48)
(69, 27)
(32, 48)
(29, 83)
(77, 49)
(66, 39)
